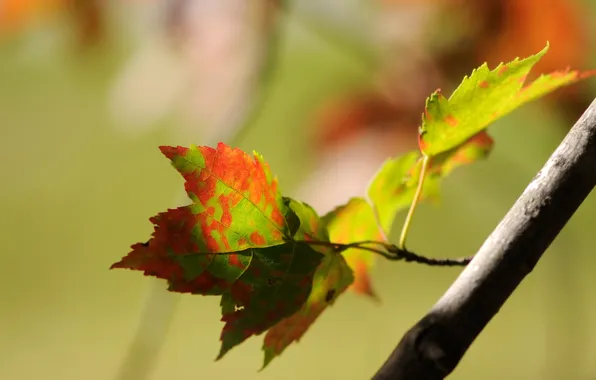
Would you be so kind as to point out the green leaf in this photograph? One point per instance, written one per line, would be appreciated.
(481, 98)
(352, 222)
(311, 226)
(332, 278)
(393, 186)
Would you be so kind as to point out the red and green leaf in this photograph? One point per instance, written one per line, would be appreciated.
(237, 240)
(236, 203)
(259, 286)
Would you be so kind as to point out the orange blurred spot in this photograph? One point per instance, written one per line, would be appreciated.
(16, 14)
(528, 24)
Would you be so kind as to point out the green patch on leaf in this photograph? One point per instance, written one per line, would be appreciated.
(393, 186)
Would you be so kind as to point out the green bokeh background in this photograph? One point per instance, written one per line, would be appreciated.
(75, 194)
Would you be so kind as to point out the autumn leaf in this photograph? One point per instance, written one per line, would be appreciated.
(481, 98)
(259, 286)
(353, 222)
(279, 294)
(332, 278)
(275, 285)
(238, 239)
(236, 203)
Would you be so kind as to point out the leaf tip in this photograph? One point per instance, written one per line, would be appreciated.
(171, 151)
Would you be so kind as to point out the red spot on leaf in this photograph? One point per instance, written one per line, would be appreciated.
(256, 238)
(452, 121)
(483, 84)
(234, 260)
(502, 70)
(421, 143)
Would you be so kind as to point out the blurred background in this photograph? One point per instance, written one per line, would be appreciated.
(326, 90)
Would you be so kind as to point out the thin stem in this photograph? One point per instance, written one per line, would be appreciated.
(408, 221)
(412, 257)
(391, 252)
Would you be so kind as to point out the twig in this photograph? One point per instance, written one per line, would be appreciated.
(391, 252)
(433, 347)
(412, 257)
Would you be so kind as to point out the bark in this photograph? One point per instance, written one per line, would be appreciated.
(433, 347)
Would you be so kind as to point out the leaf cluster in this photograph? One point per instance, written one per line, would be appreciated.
(275, 263)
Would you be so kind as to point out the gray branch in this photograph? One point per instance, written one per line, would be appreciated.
(433, 347)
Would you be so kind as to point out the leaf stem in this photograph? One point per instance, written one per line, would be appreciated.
(391, 252)
(417, 194)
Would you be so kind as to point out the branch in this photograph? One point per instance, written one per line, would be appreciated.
(433, 347)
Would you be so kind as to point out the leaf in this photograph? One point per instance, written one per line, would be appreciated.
(272, 303)
(352, 222)
(312, 227)
(392, 187)
(333, 276)
(480, 99)
(483, 97)
(476, 148)
(238, 239)
(259, 286)
(275, 285)
(236, 203)
(545, 84)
